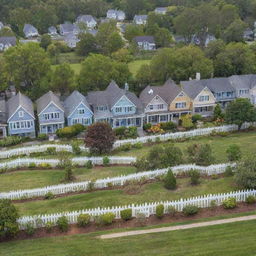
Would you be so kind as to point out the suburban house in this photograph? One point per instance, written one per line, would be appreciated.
(30, 31)
(88, 20)
(71, 40)
(7, 42)
(203, 100)
(20, 116)
(3, 118)
(161, 10)
(116, 15)
(244, 86)
(146, 43)
(68, 28)
(222, 89)
(77, 110)
(117, 106)
(50, 113)
(140, 19)
(52, 31)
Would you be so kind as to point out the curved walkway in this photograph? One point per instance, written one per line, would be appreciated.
(180, 227)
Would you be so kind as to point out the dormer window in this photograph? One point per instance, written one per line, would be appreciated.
(21, 114)
(181, 94)
(204, 98)
(81, 111)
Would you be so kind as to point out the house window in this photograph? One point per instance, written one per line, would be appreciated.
(180, 105)
(21, 114)
(163, 118)
(81, 111)
(151, 107)
(204, 98)
(243, 92)
(160, 106)
(118, 109)
(101, 108)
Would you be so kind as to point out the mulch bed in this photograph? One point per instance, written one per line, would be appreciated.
(152, 220)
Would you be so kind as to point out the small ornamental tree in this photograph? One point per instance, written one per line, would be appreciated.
(100, 138)
(200, 154)
(218, 114)
(234, 153)
(170, 180)
(239, 111)
(8, 219)
(186, 121)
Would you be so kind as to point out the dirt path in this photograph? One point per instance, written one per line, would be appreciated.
(181, 227)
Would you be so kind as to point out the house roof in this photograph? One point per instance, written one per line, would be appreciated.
(85, 18)
(116, 12)
(67, 27)
(111, 95)
(149, 39)
(8, 40)
(46, 99)
(3, 110)
(243, 81)
(140, 17)
(52, 29)
(192, 88)
(20, 100)
(73, 101)
(161, 9)
(28, 28)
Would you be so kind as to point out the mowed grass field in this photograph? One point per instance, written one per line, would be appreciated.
(234, 239)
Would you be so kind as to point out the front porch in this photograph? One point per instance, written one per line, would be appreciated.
(165, 117)
(127, 121)
(50, 128)
(204, 111)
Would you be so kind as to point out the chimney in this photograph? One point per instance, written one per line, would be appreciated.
(126, 86)
(198, 76)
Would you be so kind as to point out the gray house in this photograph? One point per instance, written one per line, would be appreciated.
(3, 118)
(20, 119)
(68, 28)
(7, 42)
(52, 31)
(140, 19)
(88, 20)
(161, 10)
(71, 40)
(50, 113)
(116, 15)
(118, 107)
(30, 31)
(77, 110)
(146, 43)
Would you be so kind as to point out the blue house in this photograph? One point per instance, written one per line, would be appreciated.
(50, 113)
(77, 110)
(117, 106)
(21, 119)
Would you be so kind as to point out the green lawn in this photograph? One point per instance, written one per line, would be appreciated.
(234, 239)
(246, 141)
(149, 193)
(134, 66)
(40, 178)
(76, 67)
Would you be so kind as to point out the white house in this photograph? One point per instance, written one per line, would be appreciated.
(140, 19)
(146, 43)
(88, 20)
(30, 31)
(161, 10)
(116, 15)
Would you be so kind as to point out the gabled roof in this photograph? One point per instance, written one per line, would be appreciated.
(20, 100)
(46, 99)
(161, 9)
(52, 29)
(28, 28)
(67, 27)
(149, 39)
(8, 40)
(116, 12)
(192, 88)
(85, 18)
(73, 101)
(111, 96)
(141, 17)
(243, 81)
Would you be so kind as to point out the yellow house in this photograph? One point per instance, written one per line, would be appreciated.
(203, 100)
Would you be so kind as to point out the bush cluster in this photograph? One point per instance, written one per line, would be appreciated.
(250, 199)
(62, 223)
(42, 136)
(160, 211)
(229, 203)
(126, 214)
(105, 219)
(83, 220)
(189, 210)
(70, 131)
(170, 180)
(10, 141)
(194, 177)
(48, 196)
(126, 132)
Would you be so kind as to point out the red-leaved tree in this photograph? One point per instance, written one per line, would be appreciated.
(100, 138)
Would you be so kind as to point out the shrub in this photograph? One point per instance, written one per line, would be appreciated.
(200, 154)
(90, 186)
(160, 211)
(76, 148)
(125, 147)
(229, 203)
(49, 226)
(48, 196)
(29, 228)
(142, 164)
(250, 200)
(234, 153)
(62, 224)
(126, 214)
(8, 219)
(147, 126)
(107, 218)
(137, 145)
(39, 223)
(69, 176)
(106, 161)
(168, 126)
(194, 177)
(88, 164)
(213, 204)
(196, 118)
(186, 121)
(32, 165)
(189, 210)
(10, 141)
(51, 151)
(70, 131)
(228, 171)
(42, 136)
(171, 210)
(83, 220)
(170, 180)
(141, 219)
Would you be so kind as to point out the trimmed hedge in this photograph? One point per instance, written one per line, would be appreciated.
(70, 131)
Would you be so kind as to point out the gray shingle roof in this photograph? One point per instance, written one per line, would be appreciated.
(46, 99)
(161, 9)
(140, 17)
(192, 88)
(8, 40)
(28, 28)
(20, 100)
(85, 18)
(67, 27)
(149, 39)
(73, 101)
(243, 81)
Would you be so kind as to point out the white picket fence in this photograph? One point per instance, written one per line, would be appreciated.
(118, 143)
(148, 209)
(114, 181)
(80, 161)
